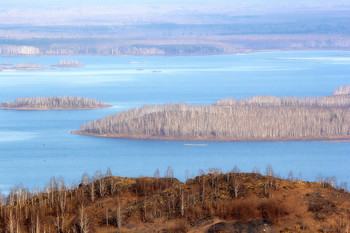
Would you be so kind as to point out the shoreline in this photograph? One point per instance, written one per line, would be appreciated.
(243, 52)
(31, 69)
(52, 109)
(334, 139)
(67, 66)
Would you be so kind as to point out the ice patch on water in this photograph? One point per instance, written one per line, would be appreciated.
(10, 136)
(237, 69)
(76, 73)
(317, 58)
(195, 144)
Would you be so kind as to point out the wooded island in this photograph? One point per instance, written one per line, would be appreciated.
(53, 103)
(260, 118)
(69, 63)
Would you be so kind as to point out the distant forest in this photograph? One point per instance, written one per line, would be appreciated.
(66, 102)
(224, 35)
(256, 118)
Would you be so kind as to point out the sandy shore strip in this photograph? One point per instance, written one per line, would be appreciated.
(48, 109)
(143, 137)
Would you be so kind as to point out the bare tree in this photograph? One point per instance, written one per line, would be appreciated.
(332, 181)
(119, 213)
(342, 90)
(256, 118)
(344, 186)
(113, 186)
(11, 222)
(156, 173)
(300, 176)
(236, 185)
(85, 179)
(203, 190)
(290, 175)
(102, 186)
(92, 190)
(169, 172)
(83, 220)
(269, 171)
(182, 204)
(200, 174)
(109, 172)
(236, 169)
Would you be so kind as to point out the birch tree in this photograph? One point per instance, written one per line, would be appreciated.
(256, 118)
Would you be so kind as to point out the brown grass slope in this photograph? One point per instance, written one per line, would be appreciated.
(232, 202)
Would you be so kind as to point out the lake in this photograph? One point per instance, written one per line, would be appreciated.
(36, 145)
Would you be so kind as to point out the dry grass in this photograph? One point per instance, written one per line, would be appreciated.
(115, 204)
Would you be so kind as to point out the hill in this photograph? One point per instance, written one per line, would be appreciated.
(215, 202)
(257, 118)
(53, 103)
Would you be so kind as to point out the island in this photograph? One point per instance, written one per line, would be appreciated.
(69, 63)
(53, 103)
(24, 66)
(29, 66)
(259, 118)
(5, 63)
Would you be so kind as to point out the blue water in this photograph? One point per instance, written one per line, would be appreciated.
(36, 145)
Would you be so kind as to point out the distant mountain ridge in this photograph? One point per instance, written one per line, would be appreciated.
(187, 34)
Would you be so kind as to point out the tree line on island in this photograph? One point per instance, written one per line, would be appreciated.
(52, 103)
(69, 63)
(256, 118)
(62, 63)
(105, 203)
(342, 90)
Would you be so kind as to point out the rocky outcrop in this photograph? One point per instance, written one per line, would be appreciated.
(255, 226)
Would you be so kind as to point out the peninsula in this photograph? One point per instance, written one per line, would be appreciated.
(53, 103)
(260, 118)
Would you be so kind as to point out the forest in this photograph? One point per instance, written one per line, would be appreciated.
(207, 35)
(53, 103)
(211, 202)
(256, 118)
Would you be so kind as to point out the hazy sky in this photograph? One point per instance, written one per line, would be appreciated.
(251, 3)
(135, 11)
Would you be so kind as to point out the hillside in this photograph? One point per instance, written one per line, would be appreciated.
(256, 118)
(53, 103)
(216, 202)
